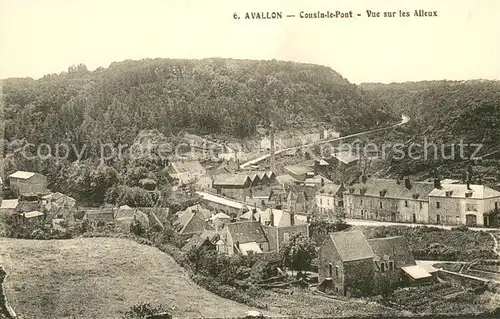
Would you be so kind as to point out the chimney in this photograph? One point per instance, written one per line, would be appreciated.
(437, 183)
(469, 177)
(407, 182)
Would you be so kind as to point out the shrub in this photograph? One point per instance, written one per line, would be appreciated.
(143, 310)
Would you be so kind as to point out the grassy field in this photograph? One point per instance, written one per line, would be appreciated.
(100, 278)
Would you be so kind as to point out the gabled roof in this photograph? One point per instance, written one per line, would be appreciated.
(393, 188)
(22, 175)
(351, 245)
(191, 222)
(317, 180)
(396, 248)
(188, 166)
(459, 190)
(206, 212)
(246, 232)
(231, 179)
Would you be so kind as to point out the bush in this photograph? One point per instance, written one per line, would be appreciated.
(143, 310)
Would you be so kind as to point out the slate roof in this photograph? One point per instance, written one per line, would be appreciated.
(22, 175)
(393, 189)
(351, 245)
(396, 248)
(246, 232)
(459, 190)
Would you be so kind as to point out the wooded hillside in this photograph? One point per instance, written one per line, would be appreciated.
(445, 112)
(87, 109)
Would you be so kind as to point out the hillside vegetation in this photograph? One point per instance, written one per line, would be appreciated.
(445, 112)
(101, 278)
(160, 98)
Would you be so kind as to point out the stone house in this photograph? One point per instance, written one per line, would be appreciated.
(186, 171)
(388, 200)
(22, 182)
(243, 237)
(346, 264)
(329, 198)
(350, 264)
(464, 204)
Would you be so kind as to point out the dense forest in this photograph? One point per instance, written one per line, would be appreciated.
(445, 112)
(86, 109)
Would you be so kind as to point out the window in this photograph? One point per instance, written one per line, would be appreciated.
(391, 265)
(438, 205)
(496, 205)
(362, 214)
(406, 203)
(438, 218)
(321, 201)
(421, 205)
(380, 204)
(382, 267)
(457, 219)
(361, 202)
(336, 270)
(330, 269)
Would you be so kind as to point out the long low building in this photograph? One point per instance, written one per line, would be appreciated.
(421, 202)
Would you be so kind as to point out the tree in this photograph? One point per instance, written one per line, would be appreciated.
(298, 252)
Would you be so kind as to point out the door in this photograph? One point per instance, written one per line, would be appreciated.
(393, 217)
(470, 220)
(414, 218)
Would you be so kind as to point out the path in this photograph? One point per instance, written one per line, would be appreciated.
(404, 120)
(495, 247)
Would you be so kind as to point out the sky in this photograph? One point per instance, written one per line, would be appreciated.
(39, 37)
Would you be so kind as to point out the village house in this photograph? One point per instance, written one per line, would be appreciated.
(228, 206)
(330, 198)
(208, 238)
(186, 171)
(192, 222)
(300, 200)
(22, 182)
(299, 172)
(56, 200)
(204, 182)
(388, 200)
(346, 263)
(464, 204)
(243, 237)
(233, 185)
(125, 216)
(350, 264)
(343, 159)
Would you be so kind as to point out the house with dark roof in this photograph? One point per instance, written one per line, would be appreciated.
(233, 185)
(346, 263)
(186, 171)
(351, 264)
(191, 222)
(244, 237)
(299, 171)
(388, 200)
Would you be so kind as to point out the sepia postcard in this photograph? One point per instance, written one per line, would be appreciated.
(249, 159)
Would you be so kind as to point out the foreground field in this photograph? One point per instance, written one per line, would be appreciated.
(100, 278)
